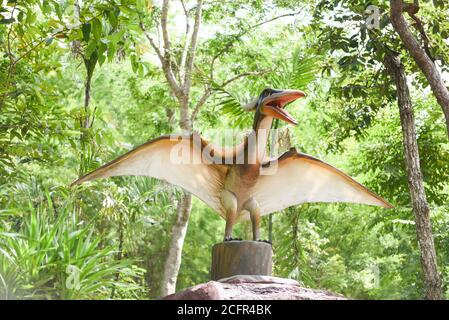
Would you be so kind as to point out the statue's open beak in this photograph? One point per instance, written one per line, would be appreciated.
(274, 104)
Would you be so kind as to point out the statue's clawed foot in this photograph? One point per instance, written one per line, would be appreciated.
(232, 239)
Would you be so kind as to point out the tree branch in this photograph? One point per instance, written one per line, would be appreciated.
(420, 56)
(208, 90)
(165, 36)
(412, 10)
(206, 94)
(166, 67)
(152, 43)
(244, 32)
(186, 42)
(43, 39)
(9, 33)
(192, 48)
(245, 74)
(166, 57)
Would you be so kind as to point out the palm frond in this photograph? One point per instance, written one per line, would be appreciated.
(296, 73)
(303, 72)
(280, 78)
(230, 104)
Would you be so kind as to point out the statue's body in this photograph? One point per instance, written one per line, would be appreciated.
(233, 182)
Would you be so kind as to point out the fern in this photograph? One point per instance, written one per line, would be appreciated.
(297, 73)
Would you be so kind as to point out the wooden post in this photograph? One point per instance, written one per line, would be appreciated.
(232, 258)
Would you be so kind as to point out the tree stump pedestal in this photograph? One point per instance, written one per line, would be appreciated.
(233, 258)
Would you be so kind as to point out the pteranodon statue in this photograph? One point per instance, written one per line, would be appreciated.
(232, 181)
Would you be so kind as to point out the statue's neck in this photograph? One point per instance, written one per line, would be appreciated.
(256, 142)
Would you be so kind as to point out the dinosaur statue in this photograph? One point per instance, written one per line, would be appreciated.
(232, 181)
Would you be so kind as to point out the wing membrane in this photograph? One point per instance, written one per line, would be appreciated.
(301, 178)
(161, 158)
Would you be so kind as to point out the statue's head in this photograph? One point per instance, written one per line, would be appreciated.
(272, 102)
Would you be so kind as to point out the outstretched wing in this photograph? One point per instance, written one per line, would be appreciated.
(175, 160)
(298, 178)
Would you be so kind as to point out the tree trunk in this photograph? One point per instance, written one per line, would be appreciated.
(432, 282)
(181, 90)
(179, 230)
(87, 88)
(173, 261)
(233, 258)
(119, 256)
(85, 121)
(420, 56)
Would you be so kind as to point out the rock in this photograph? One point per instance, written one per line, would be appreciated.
(252, 288)
(258, 279)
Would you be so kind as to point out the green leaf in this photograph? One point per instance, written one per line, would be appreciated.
(91, 47)
(116, 37)
(86, 31)
(96, 28)
(39, 96)
(101, 50)
(112, 19)
(24, 131)
(134, 64)
(72, 143)
(111, 51)
(46, 8)
(58, 10)
(101, 58)
(140, 5)
(31, 17)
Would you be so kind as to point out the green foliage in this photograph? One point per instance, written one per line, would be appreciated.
(52, 254)
(297, 72)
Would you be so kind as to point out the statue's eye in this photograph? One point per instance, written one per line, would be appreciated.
(267, 92)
